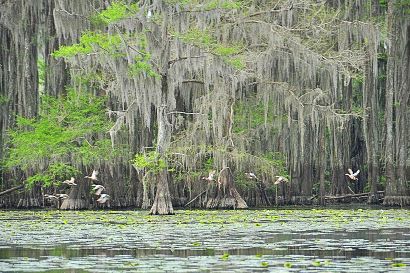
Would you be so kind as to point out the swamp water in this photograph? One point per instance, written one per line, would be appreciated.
(314, 240)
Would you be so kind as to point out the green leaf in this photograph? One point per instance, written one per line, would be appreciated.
(115, 12)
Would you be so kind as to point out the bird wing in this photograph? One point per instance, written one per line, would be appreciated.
(356, 173)
(62, 195)
(350, 171)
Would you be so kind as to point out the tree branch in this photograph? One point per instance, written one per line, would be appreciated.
(11, 190)
(184, 113)
(171, 62)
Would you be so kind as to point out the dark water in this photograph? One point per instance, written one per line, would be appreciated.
(206, 241)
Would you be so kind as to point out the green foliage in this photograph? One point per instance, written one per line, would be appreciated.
(180, 2)
(55, 173)
(209, 164)
(222, 50)
(115, 12)
(225, 256)
(382, 56)
(65, 126)
(236, 63)
(198, 37)
(205, 40)
(3, 99)
(38, 179)
(150, 161)
(277, 160)
(398, 265)
(403, 6)
(287, 264)
(251, 115)
(223, 4)
(316, 263)
(90, 41)
(358, 79)
(142, 61)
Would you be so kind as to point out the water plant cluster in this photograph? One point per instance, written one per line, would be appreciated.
(279, 240)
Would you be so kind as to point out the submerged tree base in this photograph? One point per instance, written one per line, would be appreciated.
(396, 201)
(29, 203)
(31, 199)
(162, 202)
(78, 197)
(374, 198)
(302, 200)
(74, 204)
(224, 195)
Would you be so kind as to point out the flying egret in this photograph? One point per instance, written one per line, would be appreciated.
(103, 198)
(62, 195)
(93, 176)
(210, 176)
(351, 175)
(251, 176)
(98, 189)
(280, 179)
(70, 182)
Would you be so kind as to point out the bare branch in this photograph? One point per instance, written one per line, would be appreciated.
(193, 80)
(171, 62)
(183, 113)
(71, 14)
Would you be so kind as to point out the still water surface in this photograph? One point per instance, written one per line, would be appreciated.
(314, 240)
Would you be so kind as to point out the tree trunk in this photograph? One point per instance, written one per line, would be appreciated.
(223, 194)
(322, 165)
(147, 179)
(31, 198)
(162, 202)
(397, 105)
(79, 197)
(370, 119)
(339, 153)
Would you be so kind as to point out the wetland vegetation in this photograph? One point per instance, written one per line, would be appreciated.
(282, 240)
(164, 105)
(155, 95)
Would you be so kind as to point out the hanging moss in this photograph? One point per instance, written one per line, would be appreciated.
(231, 81)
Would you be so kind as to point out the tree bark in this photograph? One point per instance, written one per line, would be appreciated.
(79, 197)
(223, 194)
(322, 165)
(11, 190)
(397, 105)
(162, 202)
